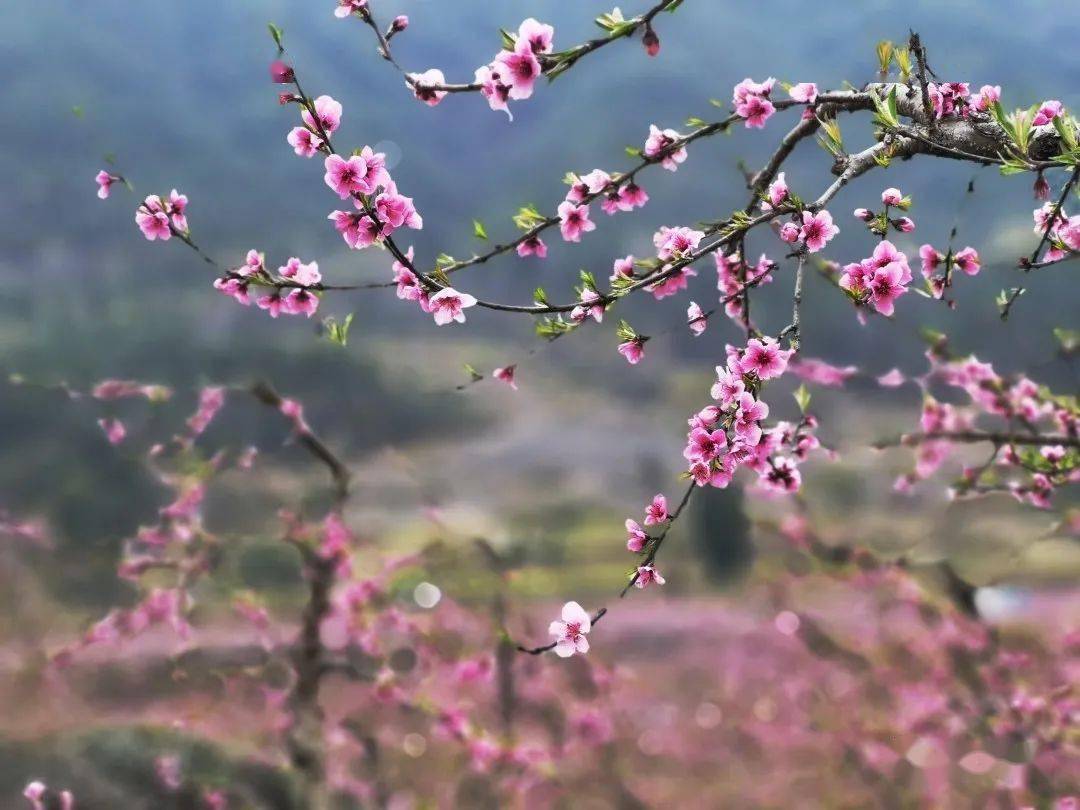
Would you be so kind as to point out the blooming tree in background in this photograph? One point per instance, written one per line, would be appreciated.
(946, 693)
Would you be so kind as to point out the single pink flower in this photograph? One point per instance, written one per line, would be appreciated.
(574, 221)
(281, 73)
(756, 110)
(817, 229)
(152, 219)
(327, 115)
(632, 196)
(636, 538)
(886, 286)
(522, 69)
(303, 141)
(647, 575)
(967, 261)
(633, 350)
(533, 246)
(235, 288)
(346, 177)
(892, 196)
(904, 224)
(346, 8)
(931, 258)
(448, 305)
(778, 190)
(728, 387)
(395, 210)
(656, 511)
(695, 317)
(104, 181)
(495, 87)
(539, 36)
(506, 375)
(767, 360)
(571, 631)
(177, 208)
(622, 268)
(376, 175)
(987, 95)
(426, 86)
(751, 411)
(789, 232)
(705, 445)
(114, 430)
(661, 145)
(804, 92)
(892, 379)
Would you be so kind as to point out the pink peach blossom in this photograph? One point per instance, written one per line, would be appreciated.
(574, 221)
(506, 375)
(303, 141)
(327, 115)
(816, 230)
(571, 631)
(448, 305)
(647, 575)
(425, 86)
(539, 36)
(656, 511)
(805, 92)
(533, 246)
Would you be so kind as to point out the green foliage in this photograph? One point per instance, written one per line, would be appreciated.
(338, 332)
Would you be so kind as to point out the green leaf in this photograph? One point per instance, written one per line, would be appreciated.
(633, 151)
(1068, 339)
(1004, 297)
(903, 61)
(626, 331)
(508, 39)
(277, 35)
(884, 55)
(802, 397)
(527, 218)
(78, 111)
(1066, 128)
(474, 375)
(338, 332)
(552, 328)
(478, 230)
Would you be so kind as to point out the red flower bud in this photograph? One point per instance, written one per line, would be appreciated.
(651, 41)
(1042, 188)
(280, 72)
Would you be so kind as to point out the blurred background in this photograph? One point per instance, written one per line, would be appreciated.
(179, 95)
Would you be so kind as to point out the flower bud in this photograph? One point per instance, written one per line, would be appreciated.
(651, 41)
(400, 23)
(1041, 188)
(281, 73)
